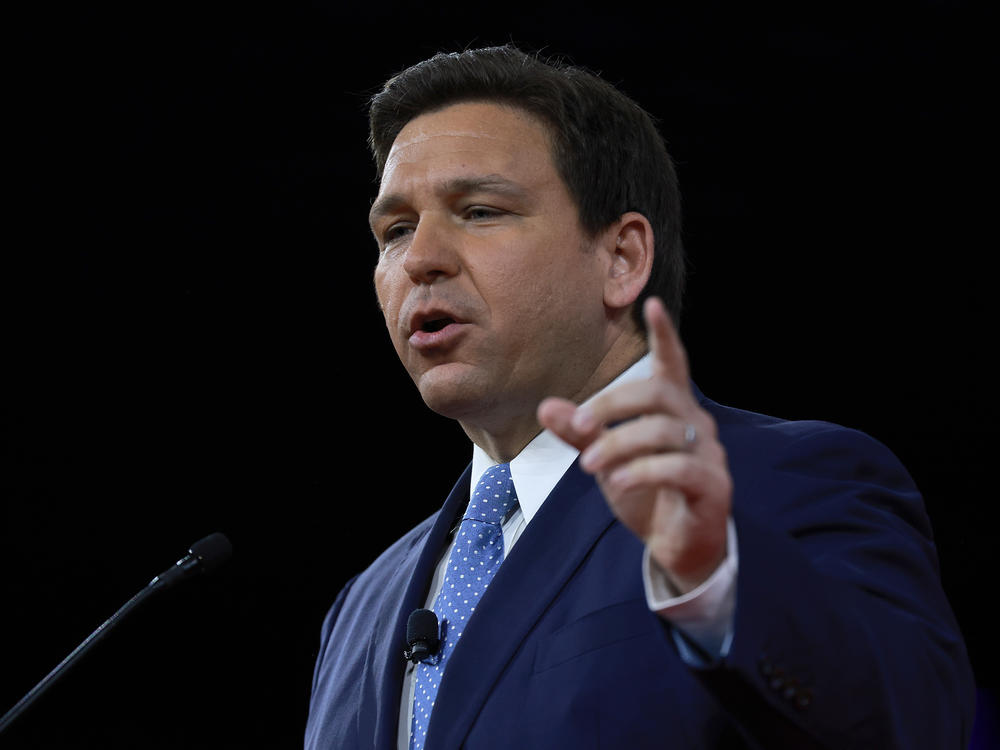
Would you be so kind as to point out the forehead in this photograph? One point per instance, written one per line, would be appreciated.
(470, 137)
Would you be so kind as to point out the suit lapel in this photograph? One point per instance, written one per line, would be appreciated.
(414, 573)
(566, 527)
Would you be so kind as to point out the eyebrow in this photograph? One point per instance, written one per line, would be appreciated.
(491, 183)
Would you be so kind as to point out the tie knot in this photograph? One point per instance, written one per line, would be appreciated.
(493, 496)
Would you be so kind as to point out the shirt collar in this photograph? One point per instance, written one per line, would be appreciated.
(541, 463)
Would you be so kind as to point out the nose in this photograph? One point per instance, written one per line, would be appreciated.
(432, 253)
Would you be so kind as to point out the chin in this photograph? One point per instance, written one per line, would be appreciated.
(454, 391)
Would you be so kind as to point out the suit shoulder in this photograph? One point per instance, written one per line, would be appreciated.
(748, 430)
(391, 555)
(760, 446)
(365, 588)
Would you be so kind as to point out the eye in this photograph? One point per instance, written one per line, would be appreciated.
(395, 232)
(479, 213)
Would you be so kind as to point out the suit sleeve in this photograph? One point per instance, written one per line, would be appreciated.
(842, 636)
(328, 623)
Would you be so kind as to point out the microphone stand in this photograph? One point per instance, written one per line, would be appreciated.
(205, 554)
(88, 643)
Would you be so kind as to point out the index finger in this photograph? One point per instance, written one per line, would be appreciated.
(669, 356)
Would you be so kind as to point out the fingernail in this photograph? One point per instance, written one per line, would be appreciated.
(590, 457)
(583, 420)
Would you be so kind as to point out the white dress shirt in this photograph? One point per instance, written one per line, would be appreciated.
(704, 614)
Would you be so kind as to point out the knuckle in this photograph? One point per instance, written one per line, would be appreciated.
(727, 483)
(716, 453)
(662, 395)
(609, 441)
(685, 471)
(661, 432)
(722, 453)
(711, 426)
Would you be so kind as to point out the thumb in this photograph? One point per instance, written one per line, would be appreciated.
(556, 414)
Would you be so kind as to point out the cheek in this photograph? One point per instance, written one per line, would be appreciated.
(526, 308)
(515, 294)
(383, 293)
(552, 284)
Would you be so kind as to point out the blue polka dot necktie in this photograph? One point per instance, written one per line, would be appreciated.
(474, 559)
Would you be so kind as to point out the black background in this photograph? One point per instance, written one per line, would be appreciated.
(192, 345)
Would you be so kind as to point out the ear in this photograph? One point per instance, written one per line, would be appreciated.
(630, 243)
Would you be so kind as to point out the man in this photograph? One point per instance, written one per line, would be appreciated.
(639, 567)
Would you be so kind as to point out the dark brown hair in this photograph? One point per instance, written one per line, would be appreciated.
(606, 148)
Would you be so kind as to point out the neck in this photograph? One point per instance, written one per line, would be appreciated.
(505, 437)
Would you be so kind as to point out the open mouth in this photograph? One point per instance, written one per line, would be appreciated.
(435, 324)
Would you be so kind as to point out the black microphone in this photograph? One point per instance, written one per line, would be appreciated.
(204, 556)
(421, 635)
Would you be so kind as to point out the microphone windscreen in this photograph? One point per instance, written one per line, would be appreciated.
(212, 551)
(422, 626)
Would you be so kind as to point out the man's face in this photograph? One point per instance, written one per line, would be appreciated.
(491, 290)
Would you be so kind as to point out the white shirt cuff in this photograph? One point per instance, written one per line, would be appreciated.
(705, 614)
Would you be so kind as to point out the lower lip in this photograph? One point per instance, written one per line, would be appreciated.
(428, 340)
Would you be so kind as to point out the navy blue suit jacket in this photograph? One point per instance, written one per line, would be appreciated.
(843, 636)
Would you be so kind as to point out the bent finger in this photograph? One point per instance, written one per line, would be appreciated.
(556, 414)
(634, 399)
(647, 435)
(694, 477)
